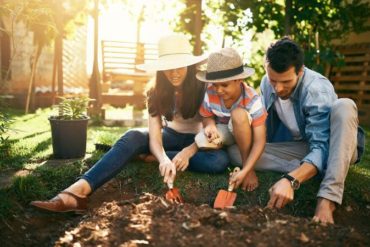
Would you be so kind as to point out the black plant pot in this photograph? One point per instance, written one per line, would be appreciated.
(69, 138)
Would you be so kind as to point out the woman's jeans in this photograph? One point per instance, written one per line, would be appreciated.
(136, 141)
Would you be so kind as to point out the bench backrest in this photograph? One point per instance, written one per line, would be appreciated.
(124, 56)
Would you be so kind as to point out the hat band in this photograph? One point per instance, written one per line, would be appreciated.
(224, 73)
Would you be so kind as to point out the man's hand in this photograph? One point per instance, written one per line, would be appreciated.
(168, 170)
(281, 193)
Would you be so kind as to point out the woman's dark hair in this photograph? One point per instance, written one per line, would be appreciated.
(161, 96)
(283, 54)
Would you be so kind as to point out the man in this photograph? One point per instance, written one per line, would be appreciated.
(309, 130)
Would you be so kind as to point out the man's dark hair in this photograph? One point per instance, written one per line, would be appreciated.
(283, 54)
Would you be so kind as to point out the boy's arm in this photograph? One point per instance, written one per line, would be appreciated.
(258, 145)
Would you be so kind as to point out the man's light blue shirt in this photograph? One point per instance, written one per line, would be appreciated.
(312, 100)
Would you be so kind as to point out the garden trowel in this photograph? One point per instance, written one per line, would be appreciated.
(173, 194)
(226, 198)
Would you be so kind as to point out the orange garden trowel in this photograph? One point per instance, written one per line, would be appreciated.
(173, 194)
(226, 198)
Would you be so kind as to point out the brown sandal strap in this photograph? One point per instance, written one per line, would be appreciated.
(81, 201)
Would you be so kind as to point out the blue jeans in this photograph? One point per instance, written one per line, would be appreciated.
(136, 141)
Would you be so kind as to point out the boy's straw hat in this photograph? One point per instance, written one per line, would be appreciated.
(174, 51)
(224, 65)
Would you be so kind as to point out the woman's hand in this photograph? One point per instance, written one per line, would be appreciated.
(181, 160)
(168, 170)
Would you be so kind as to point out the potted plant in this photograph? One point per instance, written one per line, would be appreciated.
(69, 128)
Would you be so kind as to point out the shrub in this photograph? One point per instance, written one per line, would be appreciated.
(5, 143)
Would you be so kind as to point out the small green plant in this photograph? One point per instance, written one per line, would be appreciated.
(5, 143)
(72, 108)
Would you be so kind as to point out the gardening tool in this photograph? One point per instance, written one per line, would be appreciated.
(173, 194)
(226, 198)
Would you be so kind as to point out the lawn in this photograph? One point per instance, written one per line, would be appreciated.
(42, 177)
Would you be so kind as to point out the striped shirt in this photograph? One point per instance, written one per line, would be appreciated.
(213, 105)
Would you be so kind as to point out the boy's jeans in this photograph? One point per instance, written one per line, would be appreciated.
(286, 156)
(136, 141)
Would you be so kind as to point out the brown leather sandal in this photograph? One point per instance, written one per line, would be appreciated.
(57, 205)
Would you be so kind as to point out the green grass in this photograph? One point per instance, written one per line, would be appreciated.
(31, 150)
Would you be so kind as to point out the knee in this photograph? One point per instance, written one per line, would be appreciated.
(240, 116)
(133, 136)
(218, 161)
(343, 109)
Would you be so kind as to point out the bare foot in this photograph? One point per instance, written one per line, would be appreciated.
(324, 211)
(250, 181)
(148, 158)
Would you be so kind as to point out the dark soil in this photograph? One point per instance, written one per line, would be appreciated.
(118, 218)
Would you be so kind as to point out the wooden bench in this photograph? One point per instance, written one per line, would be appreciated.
(353, 79)
(119, 61)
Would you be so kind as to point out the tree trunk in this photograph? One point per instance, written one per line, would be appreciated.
(31, 87)
(288, 13)
(59, 48)
(95, 91)
(198, 26)
(53, 77)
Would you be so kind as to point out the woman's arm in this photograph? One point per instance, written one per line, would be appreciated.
(181, 160)
(166, 167)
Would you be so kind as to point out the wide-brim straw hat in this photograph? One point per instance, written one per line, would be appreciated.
(174, 51)
(224, 65)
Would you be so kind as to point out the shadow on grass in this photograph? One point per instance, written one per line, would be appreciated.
(18, 159)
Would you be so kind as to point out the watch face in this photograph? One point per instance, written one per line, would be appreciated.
(295, 184)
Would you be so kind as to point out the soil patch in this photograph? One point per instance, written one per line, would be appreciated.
(119, 217)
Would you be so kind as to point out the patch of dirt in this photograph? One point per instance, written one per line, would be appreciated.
(122, 218)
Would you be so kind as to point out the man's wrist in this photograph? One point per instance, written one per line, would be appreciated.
(292, 180)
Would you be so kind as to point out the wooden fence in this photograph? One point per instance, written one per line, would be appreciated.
(353, 79)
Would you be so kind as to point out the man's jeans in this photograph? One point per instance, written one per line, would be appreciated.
(286, 156)
(136, 141)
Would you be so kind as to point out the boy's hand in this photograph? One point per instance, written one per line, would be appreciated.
(212, 134)
(237, 179)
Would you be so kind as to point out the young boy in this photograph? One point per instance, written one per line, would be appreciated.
(232, 113)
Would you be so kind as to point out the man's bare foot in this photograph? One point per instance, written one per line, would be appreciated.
(250, 181)
(324, 211)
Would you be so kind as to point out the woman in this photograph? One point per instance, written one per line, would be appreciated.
(176, 96)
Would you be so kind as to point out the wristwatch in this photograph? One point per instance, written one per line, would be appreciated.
(293, 181)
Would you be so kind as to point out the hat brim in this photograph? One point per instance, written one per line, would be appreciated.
(172, 62)
(246, 73)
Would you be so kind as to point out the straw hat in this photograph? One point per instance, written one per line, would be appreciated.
(174, 51)
(224, 65)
